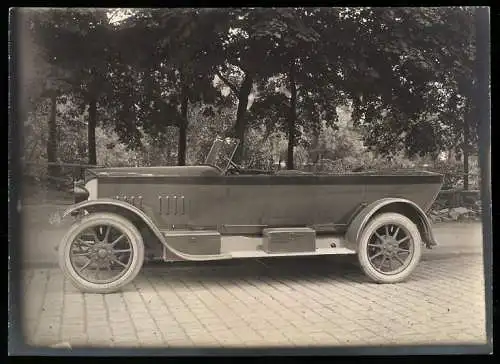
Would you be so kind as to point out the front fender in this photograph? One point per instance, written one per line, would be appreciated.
(101, 204)
(399, 205)
(104, 205)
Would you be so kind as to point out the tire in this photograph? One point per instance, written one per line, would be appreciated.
(118, 224)
(368, 250)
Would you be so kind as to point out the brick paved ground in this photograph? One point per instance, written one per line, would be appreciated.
(312, 301)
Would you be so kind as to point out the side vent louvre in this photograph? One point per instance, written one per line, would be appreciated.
(172, 205)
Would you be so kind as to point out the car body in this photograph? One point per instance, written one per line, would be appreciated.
(221, 211)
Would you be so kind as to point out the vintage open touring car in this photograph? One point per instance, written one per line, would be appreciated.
(124, 216)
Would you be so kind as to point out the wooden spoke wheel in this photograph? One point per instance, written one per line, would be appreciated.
(390, 248)
(101, 253)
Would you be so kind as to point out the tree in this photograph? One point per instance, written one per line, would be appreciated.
(176, 65)
(40, 81)
(431, 52)
(76, 41)
(253, 35)
(407, 73)
(460, 62)
(299, 55)
(196, 44)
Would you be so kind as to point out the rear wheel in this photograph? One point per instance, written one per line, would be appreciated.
(390, 248)
(101, 253)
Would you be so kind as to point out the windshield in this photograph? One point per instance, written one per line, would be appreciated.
(222, 152)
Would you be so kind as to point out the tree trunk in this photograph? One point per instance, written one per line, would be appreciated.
(291, 116)
(315, 142)
(91, 131)
(52, 140)
(181, 154)
(465, 149)
(240, 124)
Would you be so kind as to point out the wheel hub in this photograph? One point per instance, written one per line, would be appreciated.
(389, 246)
(102, 253)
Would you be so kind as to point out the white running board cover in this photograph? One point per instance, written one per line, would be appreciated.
(237, 246)
(263, 254)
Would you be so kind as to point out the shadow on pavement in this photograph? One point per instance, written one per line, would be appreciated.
(332, 268)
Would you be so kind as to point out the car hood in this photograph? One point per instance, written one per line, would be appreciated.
(154, 171)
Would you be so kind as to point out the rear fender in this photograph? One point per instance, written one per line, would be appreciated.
(398, 205)
(127, 210)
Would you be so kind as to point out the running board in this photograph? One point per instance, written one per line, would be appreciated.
(236, 247)
(247, 247)
(263, 254)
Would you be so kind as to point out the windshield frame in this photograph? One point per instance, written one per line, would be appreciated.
(218, 152)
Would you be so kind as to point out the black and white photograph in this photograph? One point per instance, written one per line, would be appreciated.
(250, 178)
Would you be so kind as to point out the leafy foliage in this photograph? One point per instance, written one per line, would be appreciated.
(164, 82)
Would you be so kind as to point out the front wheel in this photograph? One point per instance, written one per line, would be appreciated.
(101, 253)
(390, 248)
